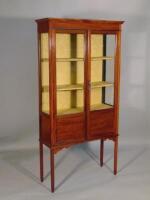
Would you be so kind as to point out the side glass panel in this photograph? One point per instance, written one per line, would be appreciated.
(44, 59)
(70, 73)
(103, 49)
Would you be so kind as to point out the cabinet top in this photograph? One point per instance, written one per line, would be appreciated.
(79, 24)
(79, 20)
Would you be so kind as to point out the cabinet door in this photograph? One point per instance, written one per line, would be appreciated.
(101, 86)
(70, 79)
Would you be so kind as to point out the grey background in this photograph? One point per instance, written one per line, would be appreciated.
(19, 79)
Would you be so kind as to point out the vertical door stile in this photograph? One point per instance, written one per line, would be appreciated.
(117, 81)
(104, 67)
(50, 85)
(85, 83)
(88, 81)
(40, 84)
(52, 67)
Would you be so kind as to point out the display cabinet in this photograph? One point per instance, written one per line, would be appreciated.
(79, 72)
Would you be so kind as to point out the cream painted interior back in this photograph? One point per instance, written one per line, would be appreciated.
(63, 70)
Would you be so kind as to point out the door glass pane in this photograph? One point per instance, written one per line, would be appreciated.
(102, 71)
(70, 73)
(44, 63)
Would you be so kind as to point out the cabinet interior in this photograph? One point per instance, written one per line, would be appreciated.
(70, 48)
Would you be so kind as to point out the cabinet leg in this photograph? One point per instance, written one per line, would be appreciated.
(41, 161)
(115, 155)
(101, 152)
(52, 171)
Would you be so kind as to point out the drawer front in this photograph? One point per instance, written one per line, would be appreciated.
(101, 122)
(70, 128)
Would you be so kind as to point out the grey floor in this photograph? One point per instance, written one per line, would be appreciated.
(78, 174)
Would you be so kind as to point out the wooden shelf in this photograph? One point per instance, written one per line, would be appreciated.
(80, 109)
(101, 84)
(45, 88)
(102, 58)
(69, 59)
(66, 111)
(46, 112)
(100, 107)
(44, 59)
(70, 87)
(70, 111)
(65, 87)
(79, 59)
(79, 86)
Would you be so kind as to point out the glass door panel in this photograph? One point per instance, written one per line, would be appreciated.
(70, 73)
(44, 63)
(103, 49)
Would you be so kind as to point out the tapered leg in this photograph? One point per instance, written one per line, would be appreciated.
(52, 171)
(101, 152)
(115, 155)
(41, 161)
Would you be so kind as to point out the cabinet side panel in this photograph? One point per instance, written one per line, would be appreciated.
(45, 129)
(117, 80)
(44, 60)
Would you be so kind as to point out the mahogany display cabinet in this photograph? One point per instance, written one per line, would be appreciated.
(79, 75)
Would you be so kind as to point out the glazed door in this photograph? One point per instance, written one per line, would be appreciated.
(70, 86)
(102, 53)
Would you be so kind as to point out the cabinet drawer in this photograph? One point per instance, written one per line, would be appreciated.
(101, 122)
(70, 128)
